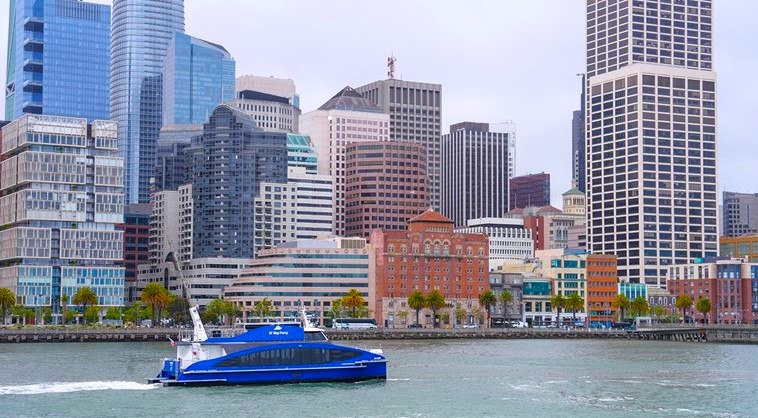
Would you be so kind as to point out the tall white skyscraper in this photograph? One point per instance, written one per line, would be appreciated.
(651, 134)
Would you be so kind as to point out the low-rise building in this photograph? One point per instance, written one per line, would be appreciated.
(728, 283)
(513, 284)
(569, 270)
(537, 291)
(305, 274)
(602, 288)
(508, 238)
(745, 246)
(428, 256)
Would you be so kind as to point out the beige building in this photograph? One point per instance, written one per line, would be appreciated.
(306, 274)
(347, 117)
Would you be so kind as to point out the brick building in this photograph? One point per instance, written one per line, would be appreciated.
(428, 255)
(602, 288)
(730, 284)
(386, 185)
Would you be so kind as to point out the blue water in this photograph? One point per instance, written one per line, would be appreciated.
(539, 378)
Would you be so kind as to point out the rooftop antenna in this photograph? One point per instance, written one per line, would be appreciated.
(391, 66)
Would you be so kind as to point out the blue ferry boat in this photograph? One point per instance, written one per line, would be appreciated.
(269, 354)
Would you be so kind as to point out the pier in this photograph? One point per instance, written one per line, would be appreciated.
(699, 333)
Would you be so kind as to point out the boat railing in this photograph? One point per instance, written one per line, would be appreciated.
(212, 331)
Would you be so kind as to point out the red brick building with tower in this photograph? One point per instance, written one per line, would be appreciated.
(428, 255)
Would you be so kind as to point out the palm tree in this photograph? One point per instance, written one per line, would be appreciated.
(7, 300)
(416, 301)
(704, 307)
(85, 297)
(336, 309)
(262, 308)
(639, 306)
(621, 303)
(353, 300)
(435, 301)
(488, 300)
(574, 303)
(558, 302)
(156, 296)
(64, 305)
(683, 302)
(506, 297)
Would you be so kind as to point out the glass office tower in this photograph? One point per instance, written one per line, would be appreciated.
(141, 33)
(58, 59)
(197, 76)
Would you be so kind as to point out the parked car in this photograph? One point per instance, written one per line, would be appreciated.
(470, 326)
(415, 326)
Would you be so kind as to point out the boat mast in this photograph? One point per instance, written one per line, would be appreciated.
(199, 330)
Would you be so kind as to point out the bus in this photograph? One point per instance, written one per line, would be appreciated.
(354, 323)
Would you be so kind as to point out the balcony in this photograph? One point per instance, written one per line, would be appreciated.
(33, 64)
(34, 24)
(32, 85)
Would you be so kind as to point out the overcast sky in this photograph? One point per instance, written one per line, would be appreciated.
(496, 60)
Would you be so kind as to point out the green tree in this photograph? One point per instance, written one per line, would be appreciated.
(91, 314)
(683, 302)
(157, 297)
(621, 303)
(68, 317)
(506, 297)
(435, 301)
(657, 312)
(64, 308)
(558, 302)
(7, 300)
(574, 303)
(639, 306)
(47, 315)
(416, 301)
(85, 297)
(178, 310)
(488, 300)
(460, 314)
(353, 300)
(704, 307)
(336, 309)
(113, 314)
(219, 308)
(263, 308)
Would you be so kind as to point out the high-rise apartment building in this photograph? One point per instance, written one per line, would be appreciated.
(58, 59)
(62, 195)
(476, 168)
(415, 111)
(345, 118)
(170, 167)
(226, 166)
(740, 214)
(387, 185)
(197, 76)
(140, 35)
(651, 134)
(530, 190)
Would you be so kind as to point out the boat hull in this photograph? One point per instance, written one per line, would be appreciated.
(351, 373)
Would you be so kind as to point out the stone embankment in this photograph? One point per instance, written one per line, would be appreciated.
(438, 334)
(55, 335)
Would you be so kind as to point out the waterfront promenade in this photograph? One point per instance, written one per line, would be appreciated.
(660, 332)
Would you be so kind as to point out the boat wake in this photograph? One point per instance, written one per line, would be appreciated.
(66, 387)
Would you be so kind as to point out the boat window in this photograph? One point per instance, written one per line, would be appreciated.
(315, 336)
(290, 356)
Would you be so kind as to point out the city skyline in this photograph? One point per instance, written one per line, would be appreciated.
(474, 91)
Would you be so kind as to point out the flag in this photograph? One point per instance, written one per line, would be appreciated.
(172, 342)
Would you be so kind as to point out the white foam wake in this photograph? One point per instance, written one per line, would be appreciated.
(65, 387)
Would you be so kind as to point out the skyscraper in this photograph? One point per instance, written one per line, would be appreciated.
(197, 76)
(740, 214)
(62, 196)
(578, 134)
(530, 190)
(226, 175)
(346, 117)
(651, 134)
(141, 33)
(415, 116)
(476, 167)
(386, 184)
(58, 59)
